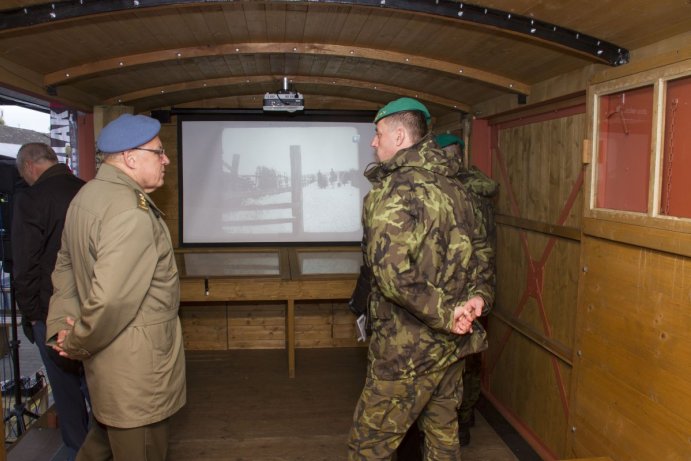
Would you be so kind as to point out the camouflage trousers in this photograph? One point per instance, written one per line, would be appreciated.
(471, 387)
(387, 409)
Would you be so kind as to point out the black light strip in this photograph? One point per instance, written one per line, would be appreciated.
(599, 50)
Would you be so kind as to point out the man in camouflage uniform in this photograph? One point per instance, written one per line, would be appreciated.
(431, 280)
(482, 190)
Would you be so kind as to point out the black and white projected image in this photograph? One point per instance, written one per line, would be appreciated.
(292, 182)
(297, 183)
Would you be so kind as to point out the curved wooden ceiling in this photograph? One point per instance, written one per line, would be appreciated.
(348, 53)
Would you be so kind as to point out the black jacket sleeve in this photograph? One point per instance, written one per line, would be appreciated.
(27, 241)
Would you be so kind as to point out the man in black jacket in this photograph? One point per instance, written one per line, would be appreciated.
(39, 217)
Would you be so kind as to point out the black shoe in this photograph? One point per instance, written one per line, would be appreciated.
(464, 434)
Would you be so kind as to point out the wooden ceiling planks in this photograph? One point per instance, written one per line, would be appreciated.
(395, 76)
(6, 5)
(301, 82)
(255, 17)
(320, 22)
(90, 48)
(113, 64)
(204, 28)
(153, 28)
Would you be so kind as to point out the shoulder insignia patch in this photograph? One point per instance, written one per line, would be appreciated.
(142, 203)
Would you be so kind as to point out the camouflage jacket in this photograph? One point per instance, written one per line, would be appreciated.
(482, 190)
(428, 254)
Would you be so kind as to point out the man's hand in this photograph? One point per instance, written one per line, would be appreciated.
(461, 322)
(62, 334)
(465, 313)
(476, 303)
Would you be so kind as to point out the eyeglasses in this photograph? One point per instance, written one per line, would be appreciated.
(160, 152)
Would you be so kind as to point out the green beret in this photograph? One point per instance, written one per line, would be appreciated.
(402, 105)
(447, 139)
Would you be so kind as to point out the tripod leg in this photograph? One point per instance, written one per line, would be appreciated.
(19, 410)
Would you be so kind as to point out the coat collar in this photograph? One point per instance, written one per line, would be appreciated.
(423, 155)
(115, 175)
(55, 170)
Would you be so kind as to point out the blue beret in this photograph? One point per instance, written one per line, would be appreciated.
(402, 105)
(127, 132)
(447, 139)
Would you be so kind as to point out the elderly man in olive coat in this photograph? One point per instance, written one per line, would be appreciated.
(116, 298)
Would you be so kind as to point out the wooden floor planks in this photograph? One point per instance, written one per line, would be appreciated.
(242, 406)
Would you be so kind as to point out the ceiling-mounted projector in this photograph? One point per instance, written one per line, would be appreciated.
(284, 100)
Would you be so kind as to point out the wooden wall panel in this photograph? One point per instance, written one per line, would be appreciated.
(511, 269)
(542, 161)
(256, 326)
(325, 324)
(220, 326)
(633, 399)
(560, 290)
(538, 166)
(313, 324)
(204, 326)
(532, 402)
(344, 334)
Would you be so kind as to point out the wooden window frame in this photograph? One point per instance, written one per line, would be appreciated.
(657, 78)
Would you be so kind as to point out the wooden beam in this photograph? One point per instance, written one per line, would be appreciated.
(570, 233)
(637, 67)
(121, 62)
(229, 81)
(538, 109)
(644, 233)
(561, 351)
(290, 337)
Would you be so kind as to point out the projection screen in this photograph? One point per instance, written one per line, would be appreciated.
(266, 179)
